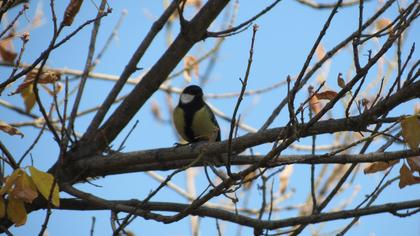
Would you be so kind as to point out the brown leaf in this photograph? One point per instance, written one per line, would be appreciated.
(52, 92)
(314, 103)
(379, 166)
(24, 189)
(16, 211)
(417, 108)
(320, 52)
(46, 77)
(340, 81)
(10, 181)
(326, 95)
(28, 97)
(38, 18)
(411, 131)
(414, 163)
(407, 177)
(2, 208)
(196, 3)
(248, 180)
(6, 50)
(284, 178)
(382, 23)
(9, 129)
(190, 64)
(156, 111)
(71, 11)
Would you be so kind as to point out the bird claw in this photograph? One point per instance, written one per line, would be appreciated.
(180, 144)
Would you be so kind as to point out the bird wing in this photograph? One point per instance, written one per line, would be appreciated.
(178, 118)
(205, 124)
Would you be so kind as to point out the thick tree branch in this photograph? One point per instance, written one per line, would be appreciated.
(190, 35)
(77, 204)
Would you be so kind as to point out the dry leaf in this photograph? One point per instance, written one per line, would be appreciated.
(156, 111)
(10, 181)
(382, 23)
(320, 52)
(129, 233)
(47, 77)
(248, 180)
(16, 211)
(44, 181)
(417, 108)
(71, 11)
(340, 81)
(326, 95)
(24, 189)
(379, 166)
(414, 163)
(28, 97)
(196, 3)
(9, 129)
(2, 208)
(407, 177)
(411, 131)
(6, 50)
(365, 103)
(190, 64)
(38, 18)
(314, 103)
(284, 178)
(52, 92)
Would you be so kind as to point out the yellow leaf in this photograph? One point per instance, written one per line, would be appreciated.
(44, 181)
(10, 181)
(16, 211)
(9, 129)
(25, 189)
(2, 208)
(379, 166)
(411, 131)
(407, 177)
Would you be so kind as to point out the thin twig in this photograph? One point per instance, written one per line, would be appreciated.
(88, 65)
(244, 84)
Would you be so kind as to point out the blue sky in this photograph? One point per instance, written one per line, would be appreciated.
(283, 41)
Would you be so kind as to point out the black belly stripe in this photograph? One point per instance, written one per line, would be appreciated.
(189, 111)
(188, 119)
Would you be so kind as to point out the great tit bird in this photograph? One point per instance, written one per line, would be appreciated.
(193, 118)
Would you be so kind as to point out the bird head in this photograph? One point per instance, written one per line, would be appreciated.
(190, 94)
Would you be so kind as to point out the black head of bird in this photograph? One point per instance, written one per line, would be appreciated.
(193, 118)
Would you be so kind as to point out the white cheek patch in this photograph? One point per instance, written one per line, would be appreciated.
(186, 98)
